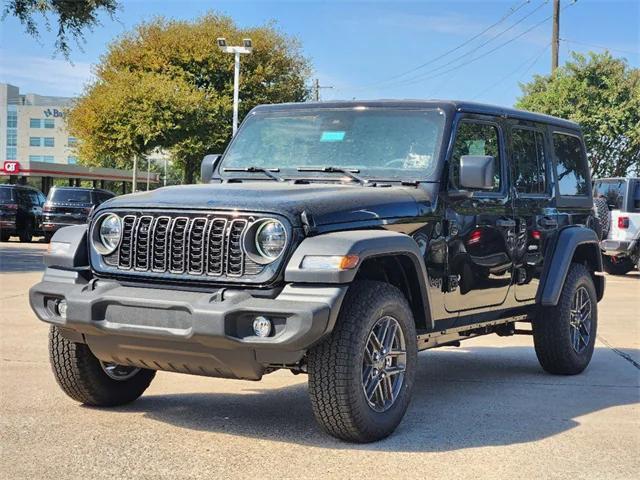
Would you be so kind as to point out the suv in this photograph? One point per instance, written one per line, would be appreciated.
(20, 212)
(619, 199)
(337, 240)
(70, 206)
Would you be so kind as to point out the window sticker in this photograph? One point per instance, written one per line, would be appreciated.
(332, 136)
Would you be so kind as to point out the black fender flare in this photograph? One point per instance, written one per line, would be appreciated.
(558, 257)
(68, 249)
(365, 244)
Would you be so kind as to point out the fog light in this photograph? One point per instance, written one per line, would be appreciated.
(262, 326)
(61, 308)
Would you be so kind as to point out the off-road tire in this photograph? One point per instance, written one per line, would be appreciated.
(551, 327)
(26, 234)
(335, 365)
(79, 374)
(47, 237)
(603, 217)
(620, 266)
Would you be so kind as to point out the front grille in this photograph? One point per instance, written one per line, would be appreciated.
(177, 245)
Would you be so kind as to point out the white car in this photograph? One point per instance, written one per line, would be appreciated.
(621, 229)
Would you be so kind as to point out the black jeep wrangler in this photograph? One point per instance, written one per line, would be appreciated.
(337, 240)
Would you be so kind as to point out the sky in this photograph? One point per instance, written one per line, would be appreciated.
(367, 49)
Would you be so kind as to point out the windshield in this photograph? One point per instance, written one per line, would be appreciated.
(70, 196)
(5, 195)
(382, 143)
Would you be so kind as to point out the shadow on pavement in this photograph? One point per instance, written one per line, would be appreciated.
(20, 259)
(468, 398)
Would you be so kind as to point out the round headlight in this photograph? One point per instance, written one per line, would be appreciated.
(109, 233)
(271, 238)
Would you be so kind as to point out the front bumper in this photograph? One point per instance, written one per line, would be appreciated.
(190, 332)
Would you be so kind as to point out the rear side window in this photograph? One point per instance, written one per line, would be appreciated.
(529, 159)
(636, 197)
(6, 195)
(612, 192)
(571, 165)
(476, 139)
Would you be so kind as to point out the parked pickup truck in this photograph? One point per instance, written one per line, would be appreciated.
(335, 240)
(621, 223)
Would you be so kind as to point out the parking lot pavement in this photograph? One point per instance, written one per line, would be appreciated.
(484, 410)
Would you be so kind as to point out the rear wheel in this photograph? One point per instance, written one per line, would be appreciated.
(48, 236)
(361, 377)
(4, 237)
(617, 266)
(564, 336)
(91, 381)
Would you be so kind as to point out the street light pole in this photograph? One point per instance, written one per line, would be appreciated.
(237, 51)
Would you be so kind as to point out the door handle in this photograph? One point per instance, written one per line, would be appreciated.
(505, 223)
(548, 222)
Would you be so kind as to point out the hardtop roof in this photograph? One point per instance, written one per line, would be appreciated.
(448, 105)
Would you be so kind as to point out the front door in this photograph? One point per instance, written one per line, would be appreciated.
(480, 229)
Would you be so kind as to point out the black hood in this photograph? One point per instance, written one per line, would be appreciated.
(328, 203)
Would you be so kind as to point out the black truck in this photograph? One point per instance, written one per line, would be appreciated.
(70, 206)
(336, 240)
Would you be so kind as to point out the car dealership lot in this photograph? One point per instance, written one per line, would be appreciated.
(483, 410)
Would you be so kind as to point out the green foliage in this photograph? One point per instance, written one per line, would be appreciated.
(166, 84)
(72, 17)
(602, 94)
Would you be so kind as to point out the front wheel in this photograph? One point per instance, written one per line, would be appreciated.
(361, 377)
(26, 234)
(565, 335)
(91, 381)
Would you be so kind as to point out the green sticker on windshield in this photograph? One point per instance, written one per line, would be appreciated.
(332, 136)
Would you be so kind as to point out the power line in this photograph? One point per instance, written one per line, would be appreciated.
(529, 63)
(513, 9)
(462, 65)
(478, 47)
(600, 46)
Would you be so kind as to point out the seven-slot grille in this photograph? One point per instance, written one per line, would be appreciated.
(205, 245)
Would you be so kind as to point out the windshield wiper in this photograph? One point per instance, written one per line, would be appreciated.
(253, 169)
(350, 172)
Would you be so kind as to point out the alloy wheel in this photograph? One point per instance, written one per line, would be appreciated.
(580, 319)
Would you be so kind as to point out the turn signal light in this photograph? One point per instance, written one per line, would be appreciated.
(623, 222)
(475, 237)
(330, 262)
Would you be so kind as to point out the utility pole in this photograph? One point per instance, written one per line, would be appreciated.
(316, 89)
(135, 173)
(555, 36)
(237, 51)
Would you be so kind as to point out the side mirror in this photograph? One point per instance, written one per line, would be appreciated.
(208, 166)
(477, 171)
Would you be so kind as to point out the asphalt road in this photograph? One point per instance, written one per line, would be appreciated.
(484, 410)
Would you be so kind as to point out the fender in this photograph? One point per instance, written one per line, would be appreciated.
(68, 249)
(561, 253)
(364, 243)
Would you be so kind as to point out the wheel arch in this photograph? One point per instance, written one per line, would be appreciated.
(383, 255)
(572, 244)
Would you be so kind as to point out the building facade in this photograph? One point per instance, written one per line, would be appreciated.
(33, 128)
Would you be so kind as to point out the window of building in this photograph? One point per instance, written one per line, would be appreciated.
(71, 160)
(35, 123)
(49, 123)
(12, 153)
(571, 165)
(72, 141)
(527, 148)
(12, 117)
(12, 138)
(476, 139)
(35, 158)
(48, 158)
(49, 142)
(35, 141)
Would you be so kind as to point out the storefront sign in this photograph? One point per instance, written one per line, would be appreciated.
(12, 168)
(53, 112)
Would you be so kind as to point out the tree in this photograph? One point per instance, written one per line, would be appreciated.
(166, 84)
(72, 17)
(602, 94)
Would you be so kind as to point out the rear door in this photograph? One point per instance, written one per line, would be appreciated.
(529, 152)
(480, 229)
